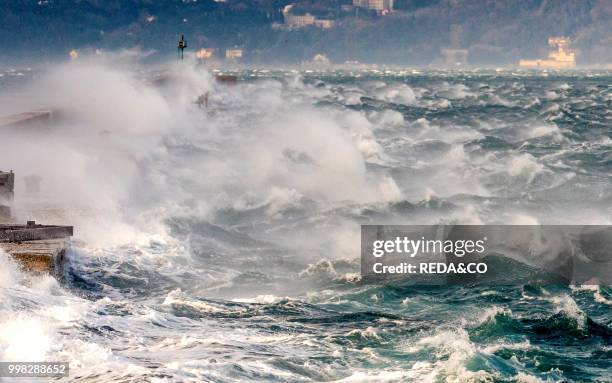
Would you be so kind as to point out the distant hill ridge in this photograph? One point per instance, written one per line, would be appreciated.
(494, 32)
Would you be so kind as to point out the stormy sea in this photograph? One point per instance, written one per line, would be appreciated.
(221, 243)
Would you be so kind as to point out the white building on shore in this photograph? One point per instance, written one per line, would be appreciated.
(380, 6)
(300, 21)
(233, 54)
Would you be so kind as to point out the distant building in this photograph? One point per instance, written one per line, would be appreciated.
(7, 187)
(560, 58)
(324, 23)
(205, 53)
(380, 6)
(320, 58)
(301, 21)
(318, 61)
(233, 54)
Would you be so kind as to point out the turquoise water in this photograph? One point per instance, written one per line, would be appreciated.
(242, 259)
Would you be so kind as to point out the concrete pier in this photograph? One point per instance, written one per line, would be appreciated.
(38, 248)
(38, 117)
(45, 256)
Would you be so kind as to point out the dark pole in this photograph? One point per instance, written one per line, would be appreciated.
(181, 46)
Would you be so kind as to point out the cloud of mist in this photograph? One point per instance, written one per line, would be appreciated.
(106, 120)
(129, 147)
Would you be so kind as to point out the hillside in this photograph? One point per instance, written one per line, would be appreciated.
(495, 32)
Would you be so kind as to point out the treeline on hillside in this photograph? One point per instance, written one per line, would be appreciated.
(494, 31)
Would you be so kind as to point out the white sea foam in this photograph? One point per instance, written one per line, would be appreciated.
(568, 306)
(453, 349)
(35, 317)
(192, 204)
(454, 91)
(597, 294)
(400, 94)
